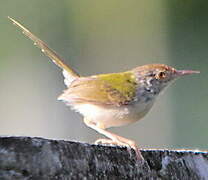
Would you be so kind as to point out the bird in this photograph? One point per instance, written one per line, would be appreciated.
(113, 99)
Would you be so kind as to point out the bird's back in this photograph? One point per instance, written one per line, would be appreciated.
(106, 89)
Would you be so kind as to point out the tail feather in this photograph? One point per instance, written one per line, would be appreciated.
(68, 72)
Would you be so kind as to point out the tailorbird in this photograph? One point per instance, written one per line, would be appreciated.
(109, 100)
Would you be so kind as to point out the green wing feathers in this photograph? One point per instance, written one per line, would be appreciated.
(105, 89)
(112, 89)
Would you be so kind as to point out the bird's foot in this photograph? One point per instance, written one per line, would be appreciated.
(114, 139)
(128, 143)
(109, 142)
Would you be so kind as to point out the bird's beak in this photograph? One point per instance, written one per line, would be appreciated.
(185, 72)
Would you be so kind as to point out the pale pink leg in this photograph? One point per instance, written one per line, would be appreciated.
(115, 139)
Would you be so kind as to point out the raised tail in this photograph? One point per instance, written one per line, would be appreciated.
(68, 72)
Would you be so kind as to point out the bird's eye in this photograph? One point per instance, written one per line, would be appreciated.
(161, 75)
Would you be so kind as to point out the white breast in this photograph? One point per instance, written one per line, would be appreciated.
(108, 116)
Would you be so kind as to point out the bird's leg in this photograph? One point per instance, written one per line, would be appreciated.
(115, 139)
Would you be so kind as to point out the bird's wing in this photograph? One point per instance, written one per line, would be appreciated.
(68, 72)
(109, 89)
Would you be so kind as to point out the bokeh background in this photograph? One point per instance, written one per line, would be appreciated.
(102, 37)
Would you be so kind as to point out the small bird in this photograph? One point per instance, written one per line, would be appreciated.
(110, 100)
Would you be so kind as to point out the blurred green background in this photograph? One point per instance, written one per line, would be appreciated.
(102, 37)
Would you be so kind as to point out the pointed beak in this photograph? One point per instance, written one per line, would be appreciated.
(185, 72)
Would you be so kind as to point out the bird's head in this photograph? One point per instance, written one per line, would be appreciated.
(155, 77)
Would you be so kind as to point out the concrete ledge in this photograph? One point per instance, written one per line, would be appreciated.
(38, 158)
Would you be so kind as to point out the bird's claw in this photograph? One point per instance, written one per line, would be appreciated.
(130, 145)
